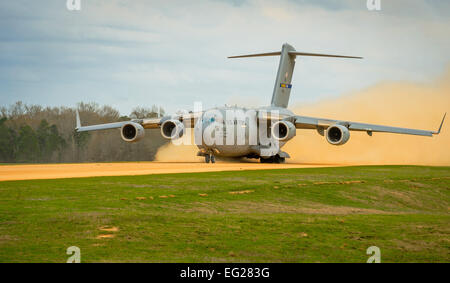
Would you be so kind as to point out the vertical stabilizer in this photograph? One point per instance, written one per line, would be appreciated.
(283, 86)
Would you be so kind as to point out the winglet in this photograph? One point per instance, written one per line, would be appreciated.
(78, 121)
(440, 127)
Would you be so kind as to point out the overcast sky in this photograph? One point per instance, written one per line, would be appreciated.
(172, 53)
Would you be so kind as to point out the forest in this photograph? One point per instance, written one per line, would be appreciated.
(38, 134)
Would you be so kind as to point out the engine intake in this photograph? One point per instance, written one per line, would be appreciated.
(283, 130)
(172, 129)
(337, 135)
(132, 132)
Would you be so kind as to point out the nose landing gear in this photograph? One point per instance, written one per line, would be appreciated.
(210, 157)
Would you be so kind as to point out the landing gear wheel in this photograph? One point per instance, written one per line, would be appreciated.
(213, 159)
(273, 159)
(276, 159)
(207, 158)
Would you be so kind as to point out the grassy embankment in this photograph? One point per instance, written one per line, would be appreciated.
(288, 215)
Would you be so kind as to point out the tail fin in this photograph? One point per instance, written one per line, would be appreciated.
(283, 86)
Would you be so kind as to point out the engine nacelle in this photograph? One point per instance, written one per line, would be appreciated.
(172, 129)
(132, 132)
(283, 130)
(337, 134)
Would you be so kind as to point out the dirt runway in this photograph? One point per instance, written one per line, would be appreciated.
(57, 171)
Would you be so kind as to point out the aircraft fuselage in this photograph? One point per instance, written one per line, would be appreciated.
(238, 132)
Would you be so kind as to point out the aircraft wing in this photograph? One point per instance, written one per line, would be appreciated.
(320, 124)
(188, 119)
(100, 127)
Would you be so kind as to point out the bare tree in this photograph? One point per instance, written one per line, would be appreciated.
(33, 133)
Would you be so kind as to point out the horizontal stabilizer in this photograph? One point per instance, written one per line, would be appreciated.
(257, 55)
(296, 54)
(321, 55)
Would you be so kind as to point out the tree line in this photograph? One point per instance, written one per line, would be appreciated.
(37, 134)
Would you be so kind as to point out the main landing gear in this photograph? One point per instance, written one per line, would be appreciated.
(210, 157)
(273, 159)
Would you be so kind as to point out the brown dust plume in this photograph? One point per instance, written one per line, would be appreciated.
(401, 104)
(179, 153)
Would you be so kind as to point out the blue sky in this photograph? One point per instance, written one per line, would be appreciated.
(172, 53)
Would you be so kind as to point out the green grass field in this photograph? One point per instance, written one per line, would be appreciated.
(287, 215)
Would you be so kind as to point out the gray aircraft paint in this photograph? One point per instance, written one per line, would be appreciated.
(236, 135)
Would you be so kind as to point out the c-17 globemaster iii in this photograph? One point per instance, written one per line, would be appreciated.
(252, 133)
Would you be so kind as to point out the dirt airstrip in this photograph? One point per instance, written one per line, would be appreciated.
(57, 171)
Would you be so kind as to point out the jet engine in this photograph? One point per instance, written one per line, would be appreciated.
(337, 134)
(283, 130)
(172, 129)
(132, 132)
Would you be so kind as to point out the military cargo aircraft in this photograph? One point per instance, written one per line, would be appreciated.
(252, 133)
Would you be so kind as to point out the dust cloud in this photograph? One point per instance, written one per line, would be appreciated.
(180, 153)
(401, 104)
